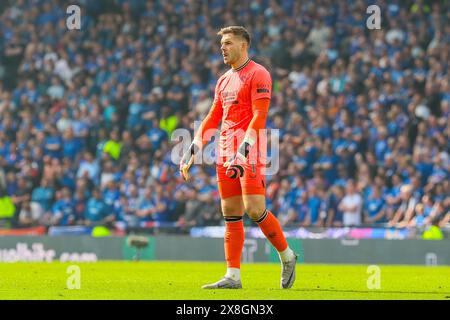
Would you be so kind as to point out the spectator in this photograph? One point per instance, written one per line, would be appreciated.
(150, 111)
(315, 200)
(161, 205)
(131, 206)
(156, 134)
(89, 168)
(405, 212)
(7, 208)
(419, 220)
(147, 206)
(71, 147)
(108, 175)
(62, 212)
(284, 201)
(168, 122)
(209, 214)
(64, 123)
(433, 232)
(351, 206)
(297, 215)
(110, 115)
(22, 193)
(53, 142)
(438, 213)
(134, 114)
(392, 196)
(97, 212)
(111, 193)
(43, 196)
(375, 208)
(80, 200)
(30, 214)
(334, 213)
(193, 205)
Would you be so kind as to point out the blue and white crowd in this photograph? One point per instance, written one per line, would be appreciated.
(86, 116)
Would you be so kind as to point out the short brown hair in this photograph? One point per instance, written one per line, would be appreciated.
(237, 31)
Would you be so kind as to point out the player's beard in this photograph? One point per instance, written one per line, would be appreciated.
(230, 58)
(226, 60)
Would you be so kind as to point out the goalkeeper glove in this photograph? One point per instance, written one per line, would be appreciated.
(187, 159)
(235, 166)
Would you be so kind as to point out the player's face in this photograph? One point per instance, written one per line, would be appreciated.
(231, 47)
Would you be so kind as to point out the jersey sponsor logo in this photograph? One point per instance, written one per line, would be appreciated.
(228, 94)
(229, 97)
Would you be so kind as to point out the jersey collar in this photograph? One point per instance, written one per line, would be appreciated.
(242, 66)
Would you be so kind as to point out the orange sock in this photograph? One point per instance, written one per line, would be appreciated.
(234, 241)
(272, 230)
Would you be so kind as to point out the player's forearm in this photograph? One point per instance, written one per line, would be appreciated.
(260, 108)
(205, 131)
(257, 123)
(207, 127)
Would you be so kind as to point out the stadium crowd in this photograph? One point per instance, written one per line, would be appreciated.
(86, 116)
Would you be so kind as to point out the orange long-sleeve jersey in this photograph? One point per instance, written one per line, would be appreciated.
(241, 102)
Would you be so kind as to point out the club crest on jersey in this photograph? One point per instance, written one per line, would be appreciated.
(243, 77)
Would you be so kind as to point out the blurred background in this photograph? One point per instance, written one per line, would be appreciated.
(86, 116)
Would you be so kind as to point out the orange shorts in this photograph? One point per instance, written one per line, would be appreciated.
(253, 181)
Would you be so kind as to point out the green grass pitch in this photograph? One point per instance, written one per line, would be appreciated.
(182, 281)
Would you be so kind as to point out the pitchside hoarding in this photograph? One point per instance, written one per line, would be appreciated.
(185, 248)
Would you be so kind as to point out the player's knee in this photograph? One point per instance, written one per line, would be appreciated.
(255, 213)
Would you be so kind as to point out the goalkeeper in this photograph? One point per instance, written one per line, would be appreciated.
(241, 102)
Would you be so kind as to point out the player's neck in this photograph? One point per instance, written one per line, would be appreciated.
(241, 63)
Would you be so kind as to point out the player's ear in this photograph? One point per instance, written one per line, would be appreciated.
(244, 45)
